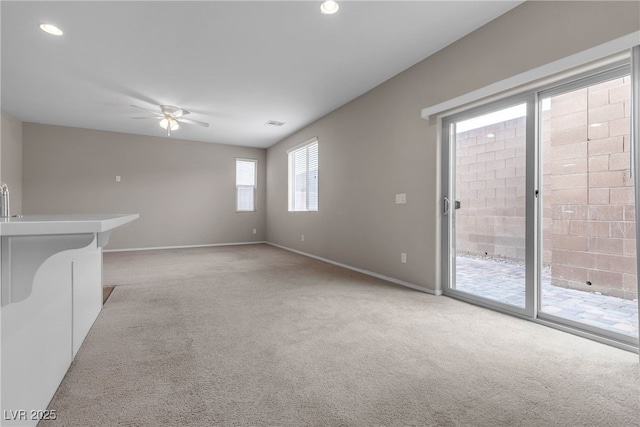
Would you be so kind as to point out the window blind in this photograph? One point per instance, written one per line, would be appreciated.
(303, 178)
(245, 185)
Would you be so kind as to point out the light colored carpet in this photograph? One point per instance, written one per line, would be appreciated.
(257, 336)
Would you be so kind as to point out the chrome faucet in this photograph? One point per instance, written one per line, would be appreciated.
(4, 201)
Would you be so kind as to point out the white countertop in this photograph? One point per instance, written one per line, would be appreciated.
(33, 225)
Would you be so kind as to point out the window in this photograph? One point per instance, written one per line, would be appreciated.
(303, 177)
(246, 185)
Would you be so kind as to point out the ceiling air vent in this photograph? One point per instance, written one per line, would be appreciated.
(274, 123)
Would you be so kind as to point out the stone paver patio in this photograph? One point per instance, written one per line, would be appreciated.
(504, 282)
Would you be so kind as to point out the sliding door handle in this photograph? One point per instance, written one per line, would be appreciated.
(445, 205)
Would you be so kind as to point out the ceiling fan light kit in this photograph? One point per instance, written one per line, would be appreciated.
(169, 123)
(170, 117)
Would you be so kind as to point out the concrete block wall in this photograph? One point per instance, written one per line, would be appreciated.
(589, 232)
(587, 188)
(491, 190)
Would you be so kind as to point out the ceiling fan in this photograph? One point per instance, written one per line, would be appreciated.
(170, 117)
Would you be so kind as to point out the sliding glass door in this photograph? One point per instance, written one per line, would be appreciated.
(588, 205)
(486, 205)
(539, 205)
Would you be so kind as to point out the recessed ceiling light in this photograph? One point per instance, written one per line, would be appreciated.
(274, 123)
(329, 7)
(596, 125)
(51, 29)
(491, 135)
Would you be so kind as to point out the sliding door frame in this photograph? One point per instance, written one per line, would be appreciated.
(448, 197)
(576, 83)
(533, 237)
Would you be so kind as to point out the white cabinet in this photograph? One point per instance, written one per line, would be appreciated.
(86, 287)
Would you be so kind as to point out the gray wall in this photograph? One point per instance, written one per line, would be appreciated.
(11, 159)
(377, 145)
(184, 191)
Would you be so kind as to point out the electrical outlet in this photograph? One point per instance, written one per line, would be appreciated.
(254, 231)
(401, 198)
(403, 258)
(117, 178)
(302, 238)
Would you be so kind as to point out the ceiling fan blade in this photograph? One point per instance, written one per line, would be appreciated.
(192, 122)
(147, 110)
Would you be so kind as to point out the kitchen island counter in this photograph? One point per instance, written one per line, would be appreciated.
(30, 225)
(51, 294)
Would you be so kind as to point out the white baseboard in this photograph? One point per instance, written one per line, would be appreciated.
(184, 247)
(360, 270)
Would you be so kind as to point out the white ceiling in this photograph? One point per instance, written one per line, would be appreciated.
(233, 64)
